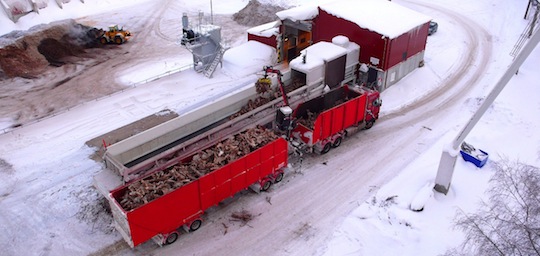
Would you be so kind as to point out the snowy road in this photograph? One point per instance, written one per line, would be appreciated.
(306, 208)
(296, 217)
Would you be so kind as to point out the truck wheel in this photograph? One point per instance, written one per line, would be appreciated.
(118, 40)
(326, 148)
(171, 238)
(266, 185)
(337, 142)
(103, 40)
(369, 124)
(279, 177)
(195, 225)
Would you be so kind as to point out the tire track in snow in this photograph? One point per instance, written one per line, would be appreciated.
(462, 77)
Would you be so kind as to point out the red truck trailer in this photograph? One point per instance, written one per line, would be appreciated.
(321, 123)
(161, 218)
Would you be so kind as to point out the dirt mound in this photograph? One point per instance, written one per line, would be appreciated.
(27, 53)
(54, 50)
(255, 14)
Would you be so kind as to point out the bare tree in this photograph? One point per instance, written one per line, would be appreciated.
(509, 223)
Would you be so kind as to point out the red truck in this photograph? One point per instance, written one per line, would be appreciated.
(161, 218)
(335, 113)
(322, 122)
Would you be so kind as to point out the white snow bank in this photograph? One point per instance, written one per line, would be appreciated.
(152, 70)
(248, 58)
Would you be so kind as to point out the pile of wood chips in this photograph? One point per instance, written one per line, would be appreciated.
(161, 183)
(309, 121)
(263, 88)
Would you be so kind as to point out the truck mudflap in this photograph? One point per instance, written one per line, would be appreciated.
(167, 213)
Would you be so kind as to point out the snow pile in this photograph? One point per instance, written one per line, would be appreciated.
(248, 58)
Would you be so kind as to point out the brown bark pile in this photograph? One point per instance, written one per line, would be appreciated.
(27, 53)
(161, 183)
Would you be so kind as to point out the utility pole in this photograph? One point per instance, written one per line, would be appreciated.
(535, 18)
(211, 13)
(449, 155)
(527, 10)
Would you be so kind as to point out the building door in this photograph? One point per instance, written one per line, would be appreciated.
(372, 77)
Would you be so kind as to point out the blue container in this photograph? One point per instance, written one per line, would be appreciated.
(477, 157)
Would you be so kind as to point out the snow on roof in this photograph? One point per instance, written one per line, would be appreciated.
(265, 30)
(317, 54)
(304, 12)
(384, 17)
(325, 50)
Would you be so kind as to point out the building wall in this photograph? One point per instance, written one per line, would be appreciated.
(270, 41)
(407, 45)
(327, 26)
(400, 70)
(377, 50)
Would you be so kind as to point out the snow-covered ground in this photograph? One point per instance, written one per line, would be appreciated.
(354, 201)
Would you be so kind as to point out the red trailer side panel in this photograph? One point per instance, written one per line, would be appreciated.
(361, 108)
(350, 112)
(336, 119)
(164, 214)
(238, 174)
(222, 178)
(183, 205)
(281, 155)
(338, 115)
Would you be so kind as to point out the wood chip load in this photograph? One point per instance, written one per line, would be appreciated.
(263, 87)
(309, 121)
(163, 182)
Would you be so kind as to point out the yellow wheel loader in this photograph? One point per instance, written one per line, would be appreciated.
(115, 35)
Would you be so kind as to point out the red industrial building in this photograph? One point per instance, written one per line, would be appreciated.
(392, 38)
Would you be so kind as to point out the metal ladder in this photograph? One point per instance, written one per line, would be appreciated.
(209, 71)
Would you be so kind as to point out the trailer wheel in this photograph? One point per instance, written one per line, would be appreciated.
(369, 124)
(326, 148)
(266, 185)
(196, 224)
(337, 142)
(279, 177)
(171, 238)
